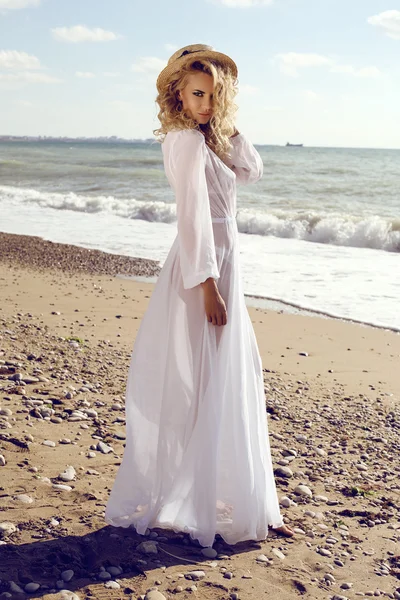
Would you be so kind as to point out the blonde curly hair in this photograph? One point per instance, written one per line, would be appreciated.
(221, 124)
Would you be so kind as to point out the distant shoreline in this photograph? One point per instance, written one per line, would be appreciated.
(10, 139)
(69, 140)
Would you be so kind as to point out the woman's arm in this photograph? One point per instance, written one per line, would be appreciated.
(184, 155)
(245, 160)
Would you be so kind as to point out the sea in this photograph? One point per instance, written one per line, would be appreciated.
(319, 233)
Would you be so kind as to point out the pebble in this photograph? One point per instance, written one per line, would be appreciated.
(114, 570)
(32, 587)
(303, 490)
(154, 595)
(24, 498)
(114, 585)
(362, 467)
(228, 575)
(290, 452)
(67, 575)
(104, 575)
(262, 558)
(68, 475)
(195, 575)
(278, 553)
(338, 562)
(284, 472)
(299, 530)
(27, 379)
(147, 548)
(209, 552)
(320, 452)
(104, 448)
(49, 443)
(14, 587)
(7, 528)
(331, 540)
(286, 502)
(62, 487)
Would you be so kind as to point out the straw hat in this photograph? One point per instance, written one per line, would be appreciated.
(190, 54)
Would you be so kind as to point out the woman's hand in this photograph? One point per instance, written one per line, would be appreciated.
(214, 303)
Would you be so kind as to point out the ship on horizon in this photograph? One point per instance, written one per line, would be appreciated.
(295, 145)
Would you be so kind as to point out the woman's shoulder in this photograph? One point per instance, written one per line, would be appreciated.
(184, 135)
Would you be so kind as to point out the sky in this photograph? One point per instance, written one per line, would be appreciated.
(318, 72)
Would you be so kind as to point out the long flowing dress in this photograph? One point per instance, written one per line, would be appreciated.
(197, 457)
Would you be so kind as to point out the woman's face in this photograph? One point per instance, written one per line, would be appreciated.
(197, 97)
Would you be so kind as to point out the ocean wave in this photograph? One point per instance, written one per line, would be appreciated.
(11, 163)
(128, 208)
(333, 228)
(336, 229)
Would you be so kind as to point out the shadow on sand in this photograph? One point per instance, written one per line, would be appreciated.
(43, 561)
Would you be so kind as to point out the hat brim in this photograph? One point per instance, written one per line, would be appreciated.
(222, 59)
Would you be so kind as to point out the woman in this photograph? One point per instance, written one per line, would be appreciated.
(197, 456)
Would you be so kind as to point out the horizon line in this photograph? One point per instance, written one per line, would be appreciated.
(119, 138)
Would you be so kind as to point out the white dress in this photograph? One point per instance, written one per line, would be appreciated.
(197, 456)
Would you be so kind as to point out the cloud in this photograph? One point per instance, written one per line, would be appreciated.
(17, 4)
(85, 74)
(363, 72)
(242, 3)
(20, 67)
(368, 72)
(248, 90)
(12, 59)
(389, 21)
(27, 77)
(171, 47)
(149, 64)
(310, 95)
(273, 108)
(81, 33)
(291, 64)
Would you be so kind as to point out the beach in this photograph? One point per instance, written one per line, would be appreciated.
(68, 321)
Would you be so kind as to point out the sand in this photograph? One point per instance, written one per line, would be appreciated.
(67, 326)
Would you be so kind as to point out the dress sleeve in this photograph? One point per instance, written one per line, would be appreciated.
(184, 160)
(245, 160)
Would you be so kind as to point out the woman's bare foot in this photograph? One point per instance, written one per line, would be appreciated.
(284, 530)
